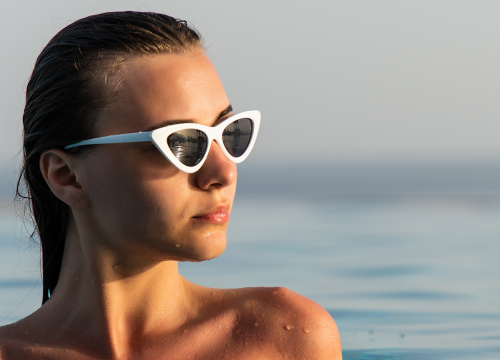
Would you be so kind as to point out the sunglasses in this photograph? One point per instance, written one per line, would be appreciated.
(186, 146)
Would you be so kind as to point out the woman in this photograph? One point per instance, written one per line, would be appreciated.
(115, 215)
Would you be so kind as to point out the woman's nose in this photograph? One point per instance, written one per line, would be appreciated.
(217, 171)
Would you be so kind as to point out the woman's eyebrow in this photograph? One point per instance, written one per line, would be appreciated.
(224, 112)
(187, 121)
(167, 123)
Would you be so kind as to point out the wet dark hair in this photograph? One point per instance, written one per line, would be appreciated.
(75, 76)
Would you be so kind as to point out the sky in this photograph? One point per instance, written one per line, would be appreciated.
(336, 81)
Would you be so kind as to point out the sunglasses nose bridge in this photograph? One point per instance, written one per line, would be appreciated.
(214, 134)
(218, 147)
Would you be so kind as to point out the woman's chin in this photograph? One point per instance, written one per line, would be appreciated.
(206, 248)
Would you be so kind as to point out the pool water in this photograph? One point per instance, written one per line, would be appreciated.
(405, 277)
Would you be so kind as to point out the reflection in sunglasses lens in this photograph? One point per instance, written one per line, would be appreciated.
(188, 146)
(236, 136)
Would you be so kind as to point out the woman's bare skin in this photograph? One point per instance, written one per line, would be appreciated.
(134, 216)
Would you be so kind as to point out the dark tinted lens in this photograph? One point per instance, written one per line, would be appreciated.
(188, 146)
(236, 136)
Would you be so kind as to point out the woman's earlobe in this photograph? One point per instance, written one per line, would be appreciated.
(58, 171)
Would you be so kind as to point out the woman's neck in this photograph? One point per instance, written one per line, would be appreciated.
(119, 299)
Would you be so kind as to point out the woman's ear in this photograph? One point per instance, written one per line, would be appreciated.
(57, 168)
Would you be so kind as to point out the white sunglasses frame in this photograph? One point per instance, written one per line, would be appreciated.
(159, 139)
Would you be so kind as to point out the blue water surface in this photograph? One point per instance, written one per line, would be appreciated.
(405, 277)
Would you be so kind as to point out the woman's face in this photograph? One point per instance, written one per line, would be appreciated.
(139, 202)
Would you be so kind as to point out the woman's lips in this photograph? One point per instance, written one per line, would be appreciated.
(218, 217)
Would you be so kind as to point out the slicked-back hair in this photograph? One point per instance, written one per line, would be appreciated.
(75, 76)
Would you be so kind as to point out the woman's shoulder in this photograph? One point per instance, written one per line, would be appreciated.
(285, 322)
(22, 340)
(12, 343)
(27, 339)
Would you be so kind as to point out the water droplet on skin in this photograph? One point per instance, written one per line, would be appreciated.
(289, 327)
(307, 331)
(257, 324)
(177, 245)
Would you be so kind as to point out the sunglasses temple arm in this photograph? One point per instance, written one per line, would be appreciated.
(115, 139)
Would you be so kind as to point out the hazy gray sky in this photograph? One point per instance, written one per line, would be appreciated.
(335, 80)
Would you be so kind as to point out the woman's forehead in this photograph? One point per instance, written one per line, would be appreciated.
(158, 88)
